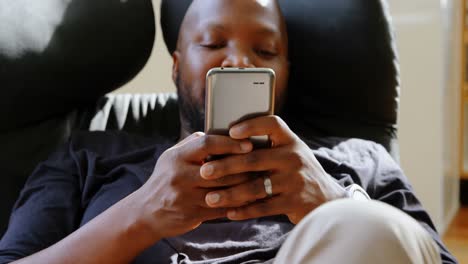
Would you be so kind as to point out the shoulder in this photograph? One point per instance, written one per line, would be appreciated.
(352, 150)
(365, 159)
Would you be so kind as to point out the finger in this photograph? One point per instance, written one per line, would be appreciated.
(189, 138)
(275, 205)
(200, 148)
(226, 181)
(238, 195)
(190, 176)
(195, 198)
(273, 126)
(244, 193)
(258, 160)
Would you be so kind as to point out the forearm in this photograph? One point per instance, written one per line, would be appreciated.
(115, 236)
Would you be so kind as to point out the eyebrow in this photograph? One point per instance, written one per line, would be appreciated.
(268, 31)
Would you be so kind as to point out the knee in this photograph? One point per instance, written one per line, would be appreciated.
(361, 217)
(372, 227)
(370, 220)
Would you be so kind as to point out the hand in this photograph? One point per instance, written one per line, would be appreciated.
(299, 182)
(173, 199)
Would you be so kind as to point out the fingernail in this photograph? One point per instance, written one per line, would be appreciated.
(235, 131)
(213, 198)
(231, 214)
(245, 146)
(206, 170)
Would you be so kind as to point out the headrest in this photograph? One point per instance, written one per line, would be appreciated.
(344, 72)
(172, 15)
(58, 55)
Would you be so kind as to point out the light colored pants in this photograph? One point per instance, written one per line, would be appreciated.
(349, 231)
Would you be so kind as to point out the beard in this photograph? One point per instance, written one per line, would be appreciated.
(192, 114)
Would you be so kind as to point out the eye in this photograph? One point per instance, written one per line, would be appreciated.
(268, 54)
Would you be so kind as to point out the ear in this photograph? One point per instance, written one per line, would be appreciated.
(175, 65)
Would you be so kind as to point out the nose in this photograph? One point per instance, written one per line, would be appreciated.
(239, 59)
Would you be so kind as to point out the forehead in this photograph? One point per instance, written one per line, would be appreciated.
(204, 13)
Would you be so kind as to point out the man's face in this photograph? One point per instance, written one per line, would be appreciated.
(227, 33)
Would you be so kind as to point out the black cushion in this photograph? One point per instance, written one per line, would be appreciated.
(56, 56)
(344, 78)
(344, 72)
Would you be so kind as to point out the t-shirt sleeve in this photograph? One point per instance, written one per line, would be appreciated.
(47, 210)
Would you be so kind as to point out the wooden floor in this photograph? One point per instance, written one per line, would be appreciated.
(456, 237)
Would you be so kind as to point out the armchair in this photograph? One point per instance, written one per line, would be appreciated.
(344, 80)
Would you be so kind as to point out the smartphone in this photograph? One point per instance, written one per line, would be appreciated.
(237, 94)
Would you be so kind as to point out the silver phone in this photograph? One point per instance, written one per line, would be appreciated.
(237, 94)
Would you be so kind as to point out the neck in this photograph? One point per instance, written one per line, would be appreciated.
(184, 129)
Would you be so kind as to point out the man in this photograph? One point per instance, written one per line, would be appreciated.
(102, 199)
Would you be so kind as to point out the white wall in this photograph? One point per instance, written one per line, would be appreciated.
(452, 18)
(428, 129)
(156, 75)
(428, 124)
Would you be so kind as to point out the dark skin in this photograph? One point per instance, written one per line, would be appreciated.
(181, 192)
(214, 35)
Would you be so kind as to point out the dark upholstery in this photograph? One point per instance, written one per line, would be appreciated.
(344, 78)
(344, 72)
(95, 46)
